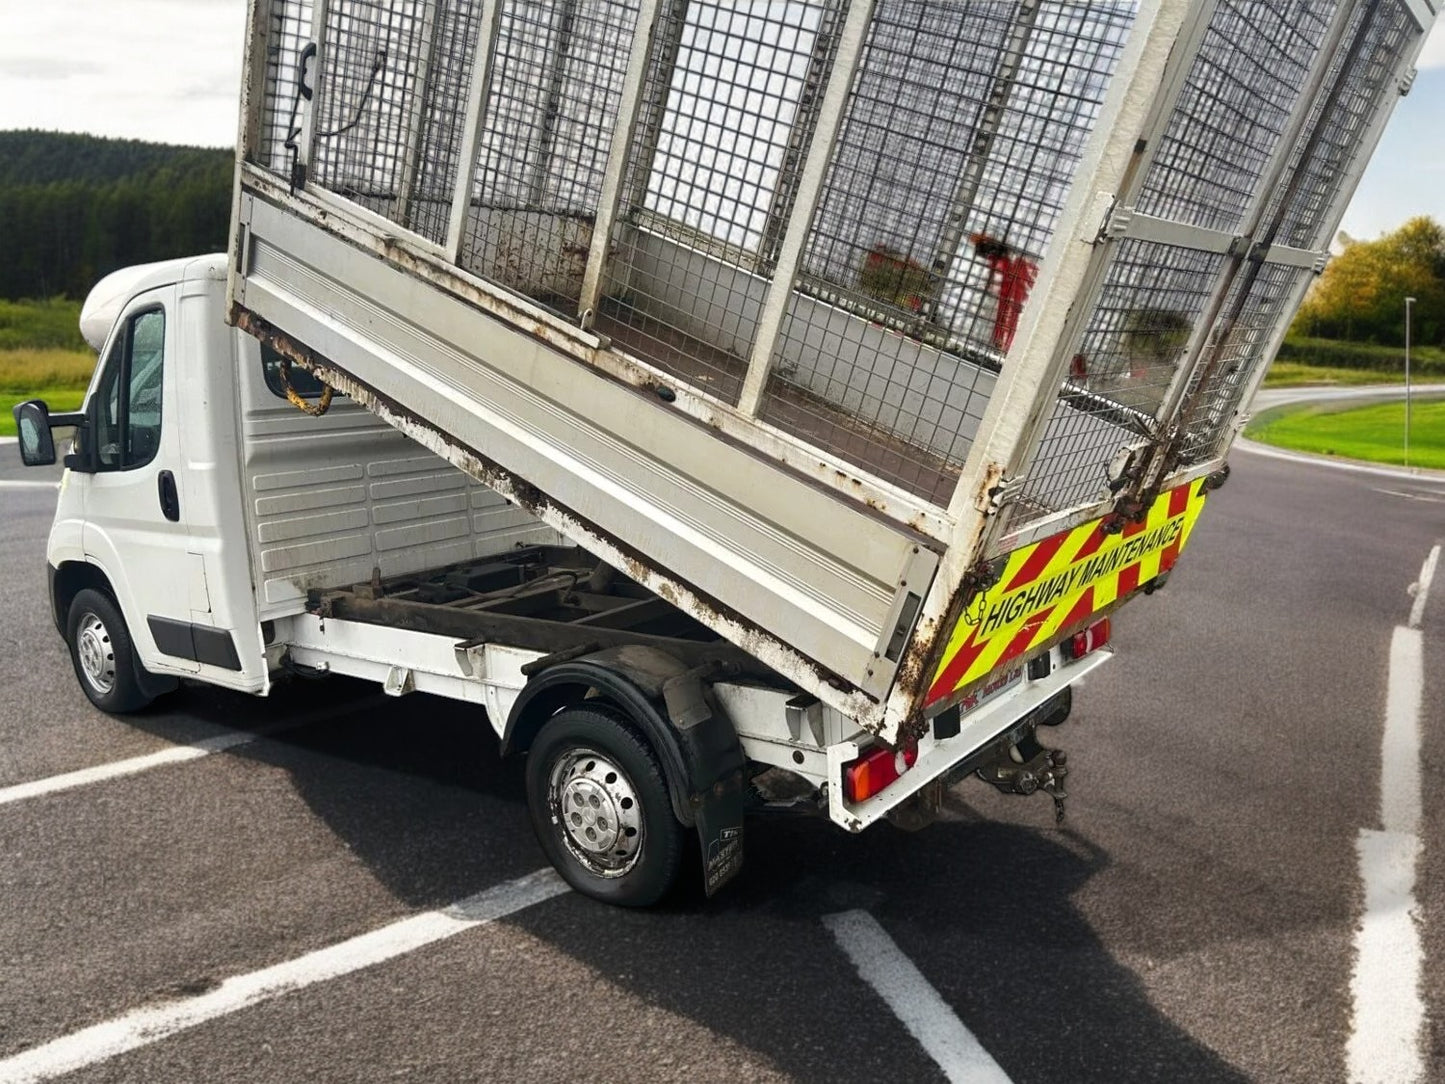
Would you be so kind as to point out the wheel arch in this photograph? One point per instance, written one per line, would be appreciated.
(68, 580)
(602, 681)
(698, 748)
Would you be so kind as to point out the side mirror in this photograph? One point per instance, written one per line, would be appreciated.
(32, 423)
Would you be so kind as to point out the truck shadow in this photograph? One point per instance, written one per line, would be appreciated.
(985, 910)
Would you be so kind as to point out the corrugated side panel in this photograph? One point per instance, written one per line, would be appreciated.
(330, 499)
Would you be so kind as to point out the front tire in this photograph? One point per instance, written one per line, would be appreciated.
(600, 807)
(103, 655)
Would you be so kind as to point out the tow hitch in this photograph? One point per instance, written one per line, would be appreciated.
(1024, 766)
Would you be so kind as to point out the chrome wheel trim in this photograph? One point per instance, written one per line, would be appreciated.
(96, 653)
(595, 808)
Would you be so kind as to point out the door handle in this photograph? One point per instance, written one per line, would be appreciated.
(170, 499)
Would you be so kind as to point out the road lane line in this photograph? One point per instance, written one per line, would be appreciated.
(10, 483)
(150, 1024)
(1389, 1014)
(1421, 587)
(1400, 747)
(1426, 497)
(175, 754)
(902, 986)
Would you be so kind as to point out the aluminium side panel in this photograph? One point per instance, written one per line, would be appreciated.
(808, 582)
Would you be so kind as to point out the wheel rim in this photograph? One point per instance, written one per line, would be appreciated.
(96, 654)
(596, 808)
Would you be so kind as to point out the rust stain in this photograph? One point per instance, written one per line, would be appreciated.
(718, 616)
(924, 653)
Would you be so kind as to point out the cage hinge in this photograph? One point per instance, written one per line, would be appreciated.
(1000, 493)
(1117, 220)
(1407, 81)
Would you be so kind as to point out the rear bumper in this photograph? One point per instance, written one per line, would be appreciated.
(939, 756)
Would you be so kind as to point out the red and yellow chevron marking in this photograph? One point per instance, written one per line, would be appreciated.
(1051, 585)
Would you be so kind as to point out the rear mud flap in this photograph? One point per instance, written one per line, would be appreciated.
(720, 831)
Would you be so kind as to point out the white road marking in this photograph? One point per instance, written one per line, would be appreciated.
(902, 986)
(1400, 748)
(11, 483)
(176, 754)
(1426, 497)
(1385, 1045)
(1421, 588)
(152, 1023)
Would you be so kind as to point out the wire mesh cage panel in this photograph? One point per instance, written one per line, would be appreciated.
(1124, 366)
(1365, 75)
(952, 162)
(1299, 213)
(1259, 306)
(287, 32)
(865, 292)
(1241, 90)
(371, 63)
(556, 72)
(725, 118)
(1266, 134)
(430, 183)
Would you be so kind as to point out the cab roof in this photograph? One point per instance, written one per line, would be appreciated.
(110, 295)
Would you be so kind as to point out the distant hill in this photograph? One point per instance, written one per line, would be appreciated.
(75, 207)
(33, 157)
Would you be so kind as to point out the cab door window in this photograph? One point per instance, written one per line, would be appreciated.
(127, 418)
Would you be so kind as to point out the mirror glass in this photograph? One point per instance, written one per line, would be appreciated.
(32, 424)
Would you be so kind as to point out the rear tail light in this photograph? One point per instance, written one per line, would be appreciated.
(1091, 639)
(874, 770)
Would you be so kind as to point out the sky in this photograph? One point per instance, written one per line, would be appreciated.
(169, 71)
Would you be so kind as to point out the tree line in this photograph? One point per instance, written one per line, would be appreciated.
(74, 208)
(1360, 298)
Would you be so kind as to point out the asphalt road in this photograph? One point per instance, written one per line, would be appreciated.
(1193, 921)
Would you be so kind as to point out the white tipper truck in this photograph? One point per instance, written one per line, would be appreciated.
(749, 404)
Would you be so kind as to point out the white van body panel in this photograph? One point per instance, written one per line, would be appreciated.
(273, 503)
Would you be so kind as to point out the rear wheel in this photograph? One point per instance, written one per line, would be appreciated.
(600, 807)
(102, 653)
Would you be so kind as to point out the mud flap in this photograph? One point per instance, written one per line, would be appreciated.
(720, 830)
(716, 763)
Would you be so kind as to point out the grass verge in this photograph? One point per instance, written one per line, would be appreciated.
(60, 400)
(1294, 374)
(53, 323)
(56, 375)
(1375, 433)
(24, 369)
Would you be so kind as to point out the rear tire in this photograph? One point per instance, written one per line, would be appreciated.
(600, 807)
(103, 655)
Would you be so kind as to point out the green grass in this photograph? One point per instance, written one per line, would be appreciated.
(1375, 433)
(27, 369)
(40, 324)
(58, 376)
(1385, 361)
(59, 400)
(1293, 374)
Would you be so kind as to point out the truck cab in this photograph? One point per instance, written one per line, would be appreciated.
(206, 506)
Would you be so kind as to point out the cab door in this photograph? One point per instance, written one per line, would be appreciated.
(135, 501)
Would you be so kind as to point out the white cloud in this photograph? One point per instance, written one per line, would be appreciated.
(162, 70)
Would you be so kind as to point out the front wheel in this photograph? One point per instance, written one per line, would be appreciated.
(102, 653)
(600, 807)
